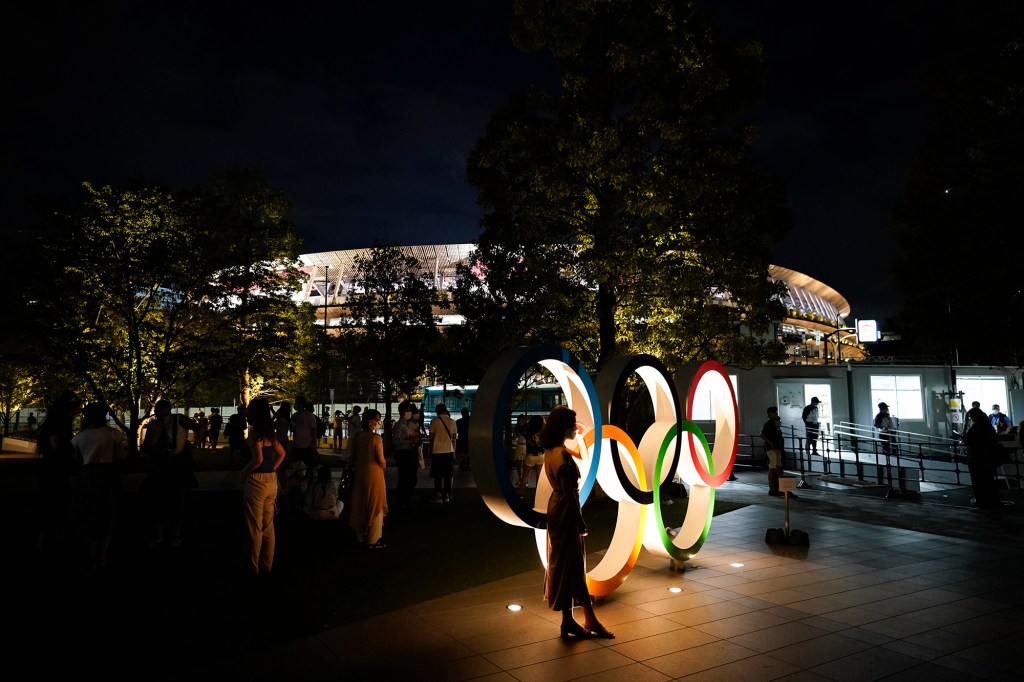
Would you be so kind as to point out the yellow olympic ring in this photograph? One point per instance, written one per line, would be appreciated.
(623, 478)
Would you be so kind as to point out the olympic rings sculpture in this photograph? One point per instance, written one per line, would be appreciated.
(628, 472)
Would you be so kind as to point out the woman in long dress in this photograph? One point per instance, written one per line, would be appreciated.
(565, 582)
(369, 492)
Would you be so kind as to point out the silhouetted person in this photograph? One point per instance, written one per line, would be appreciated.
(215, 424)
(771, 436)
(56, 468)
(405, 440)
(462, 444)
(100, 449)
(304, 434)
(886, 428)
(171, 475)
(811, 425)
(982, 460)
(235, 431)
(565, 581)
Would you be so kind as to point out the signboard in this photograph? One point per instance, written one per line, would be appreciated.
(867, 331)
(787, 484)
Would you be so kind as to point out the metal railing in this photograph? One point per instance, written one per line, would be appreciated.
(901, 462)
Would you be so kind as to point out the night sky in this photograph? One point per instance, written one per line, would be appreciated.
(364, 113)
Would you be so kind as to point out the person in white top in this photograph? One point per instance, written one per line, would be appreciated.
(442, 453)
(304, 438)
(99, 448)
(322, 503)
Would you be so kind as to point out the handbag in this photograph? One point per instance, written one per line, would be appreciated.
(345, 483)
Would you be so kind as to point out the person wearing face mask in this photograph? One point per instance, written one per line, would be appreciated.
(405, 439)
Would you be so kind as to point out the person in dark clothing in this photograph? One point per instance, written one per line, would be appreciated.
(462, 444)
(565, 581)
(771, 436)
(235, 431)
(215, 423)
(886, 428)
(56, 469)
(982, 460)
(812, 425)
(405, 439)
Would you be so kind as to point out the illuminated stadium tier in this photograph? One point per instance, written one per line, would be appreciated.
(814, 330)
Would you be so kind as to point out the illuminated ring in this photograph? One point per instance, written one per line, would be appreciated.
(623, 479)
(490, 410)
(726, 413)
(664, 398)
(700, 507)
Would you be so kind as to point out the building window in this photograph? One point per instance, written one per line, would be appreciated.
(988, 391)
(901, 392)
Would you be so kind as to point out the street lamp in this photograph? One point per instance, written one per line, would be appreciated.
(323, 370)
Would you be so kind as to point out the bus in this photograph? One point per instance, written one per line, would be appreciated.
(537, 399)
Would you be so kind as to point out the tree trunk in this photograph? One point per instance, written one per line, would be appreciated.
(606, 302)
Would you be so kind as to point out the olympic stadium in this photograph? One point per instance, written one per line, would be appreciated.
(824, 358)
(814, 330)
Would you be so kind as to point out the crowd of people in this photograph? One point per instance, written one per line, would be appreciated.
(281, 471)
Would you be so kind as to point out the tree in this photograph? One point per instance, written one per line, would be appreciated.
(123, 298)
(956, 230)
(389, 323)
(142, 301)
(19, 382)
(256, 274)
(631, 197)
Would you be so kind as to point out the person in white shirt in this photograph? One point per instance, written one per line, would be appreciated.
(442, 453)
(304, 437)
(100, 448)
(322, 503)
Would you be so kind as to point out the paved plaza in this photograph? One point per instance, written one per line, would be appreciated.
(888, 589)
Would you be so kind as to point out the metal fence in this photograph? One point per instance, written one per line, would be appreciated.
(902, 463)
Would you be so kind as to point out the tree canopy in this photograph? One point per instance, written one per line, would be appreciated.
(388, 327)
(623, 210)
(143, 298)
(957, 229)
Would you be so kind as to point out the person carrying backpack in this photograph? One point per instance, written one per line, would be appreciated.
(811, 425)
